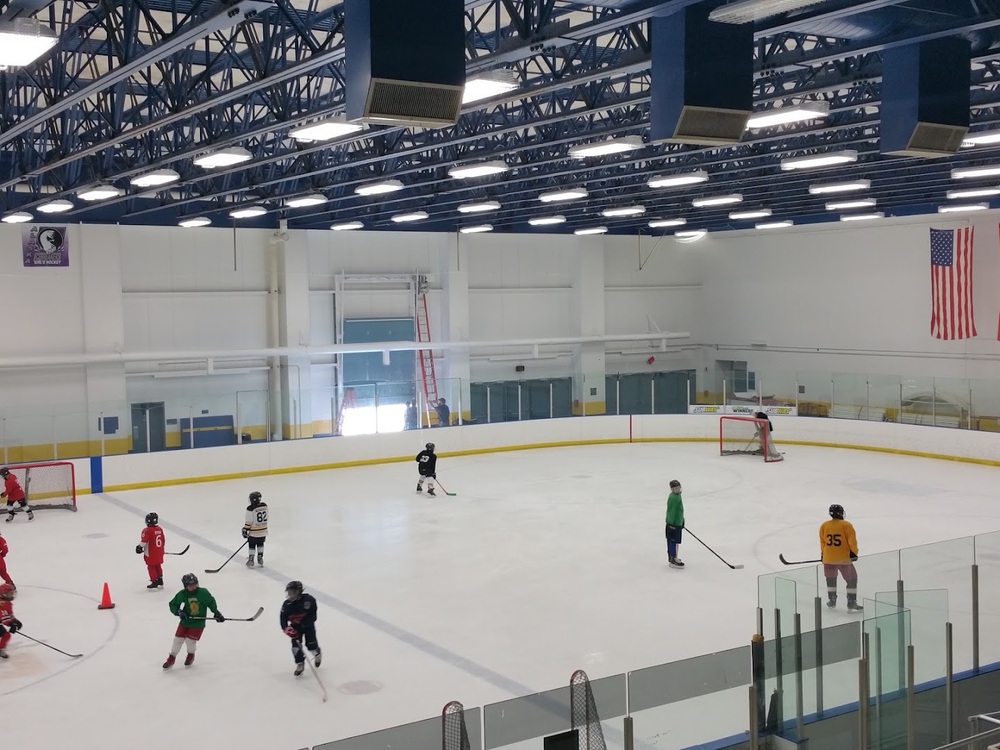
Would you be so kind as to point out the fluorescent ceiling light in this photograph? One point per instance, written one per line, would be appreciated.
(196, 221)
(569, 194)
(773, 224)
(624, 211)
(488, 85)
(379, 188)
(324, 131)
(301, 201)
(842, 205)
(839, 187)
(477, 229)
(962, 208)
(478, 170)
(862, 217)
(227, 157)
(475, 208)
(615, 146)
(748, 11)
(55, 207)
(662, 223)
(347, 226)
(247, 212)
(786, 115)
(972, 193)
(591, 230)
(980, 139)
(24, 41)
(543, 221)
(98, 193)
(717, 200)
(819, 160)
(690, 235)
(154, 179)
(18, 217)
(411, 216)
(676, 180)
(967, 173)
(761, 213)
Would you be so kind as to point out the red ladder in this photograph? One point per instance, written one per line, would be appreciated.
(427, 374)
(348, 402)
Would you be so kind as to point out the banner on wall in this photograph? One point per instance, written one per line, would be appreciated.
(743, 410)
(44, 245)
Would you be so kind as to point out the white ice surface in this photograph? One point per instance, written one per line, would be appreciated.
(546, 561)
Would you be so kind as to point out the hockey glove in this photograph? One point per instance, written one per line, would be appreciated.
(219, 617)
(246, 533)
(138, 549)
(291, 632)
(14, 626)
(180, 613)
(854, 556)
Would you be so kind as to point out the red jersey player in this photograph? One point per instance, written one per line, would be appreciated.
(8, 623)
(151, 548)
(14, 494)
(3, 563)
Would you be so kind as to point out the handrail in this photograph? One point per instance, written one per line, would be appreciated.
(970, 742)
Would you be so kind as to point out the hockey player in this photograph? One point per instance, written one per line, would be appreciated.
(191, 604)
(8, 623)
(838, 546)
(772, 452)
(151, 548)
(4, 576)
(675, 524)
(298, 620)
(14, 493)
(255, 528)
(427, 466)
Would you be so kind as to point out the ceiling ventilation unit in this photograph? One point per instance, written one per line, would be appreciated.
(748, 11)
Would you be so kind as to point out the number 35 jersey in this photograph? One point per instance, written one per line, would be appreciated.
(837, 541)
(256, 520)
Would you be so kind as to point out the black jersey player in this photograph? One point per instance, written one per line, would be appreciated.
(427, 466)
(298, 620)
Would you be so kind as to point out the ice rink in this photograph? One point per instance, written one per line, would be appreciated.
(545, 561)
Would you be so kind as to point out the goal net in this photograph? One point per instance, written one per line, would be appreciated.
(47, 485)
(748, 436)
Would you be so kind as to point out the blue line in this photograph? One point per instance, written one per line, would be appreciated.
(385, 627)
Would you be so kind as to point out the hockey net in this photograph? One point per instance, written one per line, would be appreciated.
(748, 436)
(47, 485)
(583, 710)
(454, 733)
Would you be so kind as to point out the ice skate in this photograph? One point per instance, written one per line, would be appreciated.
(831, 602)
(31, 516)
(3, 653)
(10, 518)
(169, 662)
(250, 561)
(260, 560)
(189, 659)
(159, 582)
(420, 487)
(676, 562)
(152, 584)
(300, 668)
(318, 659)
(430, 492)
(853, 606)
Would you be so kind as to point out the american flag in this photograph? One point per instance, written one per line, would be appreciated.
(951, 284)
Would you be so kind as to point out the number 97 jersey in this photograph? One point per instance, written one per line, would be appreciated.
(837, 541)
(256, 521)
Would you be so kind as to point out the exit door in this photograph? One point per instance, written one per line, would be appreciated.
(149, 427)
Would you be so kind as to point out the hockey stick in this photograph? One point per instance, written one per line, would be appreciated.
(734, 567)
(797, 562)
(449, 494)
(312, 668)
(256, 614)
(178, 553)
(245, 543)
(71, 656)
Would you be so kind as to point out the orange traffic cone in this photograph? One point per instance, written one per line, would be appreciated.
(106, 602)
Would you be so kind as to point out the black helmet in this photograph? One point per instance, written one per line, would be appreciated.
(429, 446)
(188, 578)
(152, 519)
(295, 586)
(4, 471)
(255, 497)
(674, 483)
(836, 511)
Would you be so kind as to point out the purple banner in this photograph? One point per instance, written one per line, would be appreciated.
(45, 245)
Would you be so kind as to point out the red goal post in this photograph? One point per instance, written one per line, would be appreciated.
(746, 436)
(47, 485)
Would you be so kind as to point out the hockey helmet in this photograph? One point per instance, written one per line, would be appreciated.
(4, 472)
(429, 446)
(674, 483)
(294, 589)
(7, 591)
(836, 511)
(188, 578)
(255, 498)
(152, 519)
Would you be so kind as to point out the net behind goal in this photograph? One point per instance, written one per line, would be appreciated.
(47, 485)
(748, 436)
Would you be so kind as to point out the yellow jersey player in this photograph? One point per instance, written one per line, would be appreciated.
(838, 546)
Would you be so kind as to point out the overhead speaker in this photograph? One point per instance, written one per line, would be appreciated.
(702, 78)
(405, 61)
(925, 98)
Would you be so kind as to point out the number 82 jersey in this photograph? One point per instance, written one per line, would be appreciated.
(256, 520)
